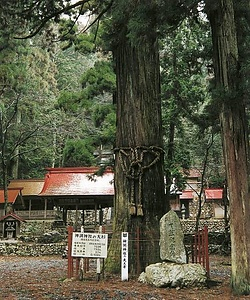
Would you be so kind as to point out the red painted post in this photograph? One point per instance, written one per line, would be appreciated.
(206, 250)
(196, 248)
(70, 258)
(138, 250)
(193, 248)
(199, 246)
(202, 247)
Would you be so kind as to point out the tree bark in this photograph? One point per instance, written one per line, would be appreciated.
(235, 138)
(139, 176)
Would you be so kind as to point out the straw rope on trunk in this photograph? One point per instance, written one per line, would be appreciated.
(134, 165)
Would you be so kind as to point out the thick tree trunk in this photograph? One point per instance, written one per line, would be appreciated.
(139, 177)
(235, 138)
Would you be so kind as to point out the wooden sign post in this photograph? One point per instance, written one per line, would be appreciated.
(124, 256)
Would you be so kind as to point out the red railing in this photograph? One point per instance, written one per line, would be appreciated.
(200, 249)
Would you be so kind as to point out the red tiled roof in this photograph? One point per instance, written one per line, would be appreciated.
(13, 216)
(13, 194)
(30, 187)
(213, 194)
(187, 195)
(77, 182)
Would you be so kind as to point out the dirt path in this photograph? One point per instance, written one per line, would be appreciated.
(29, 278)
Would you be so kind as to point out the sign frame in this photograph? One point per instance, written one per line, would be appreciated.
(89, 245)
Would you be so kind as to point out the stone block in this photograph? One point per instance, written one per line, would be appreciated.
(174, 275)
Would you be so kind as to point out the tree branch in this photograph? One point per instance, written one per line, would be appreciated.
(22, 138)
(67, 8)
(23, 152)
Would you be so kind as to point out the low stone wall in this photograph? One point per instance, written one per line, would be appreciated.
(213, 225)
(38, 228)
(31, 249)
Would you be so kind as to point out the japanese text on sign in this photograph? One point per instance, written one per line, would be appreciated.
(93, 245)
(124, 256)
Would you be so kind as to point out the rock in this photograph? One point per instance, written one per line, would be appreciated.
(174, 275)
(171, 239)
(142, 278)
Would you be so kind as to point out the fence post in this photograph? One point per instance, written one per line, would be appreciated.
(206, 251)
(138, 250)
(70, 258)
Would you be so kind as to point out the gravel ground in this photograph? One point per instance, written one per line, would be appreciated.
(38, 278)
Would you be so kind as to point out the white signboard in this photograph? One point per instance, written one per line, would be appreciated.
(93, 245)
(124, 256)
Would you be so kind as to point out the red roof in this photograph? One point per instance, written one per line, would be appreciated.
(213, 194)
(12, 216)
(77, 182)
(187, 195)
(13, 194)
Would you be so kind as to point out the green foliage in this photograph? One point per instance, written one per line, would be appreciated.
(78, 153)
(185, 55)
(27, 87)
(104, 117)
(98, 80)
(71, 35)
(92, 99)
(138, 20)
(109, 129)
(69, 101)
(216, 181)
(100, 111)
(70, 66)
(85, 43)
(184, 71)
(67, 31)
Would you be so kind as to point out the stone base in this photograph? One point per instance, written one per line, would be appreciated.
(174, 275)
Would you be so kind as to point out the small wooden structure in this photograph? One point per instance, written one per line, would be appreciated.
(11, 225)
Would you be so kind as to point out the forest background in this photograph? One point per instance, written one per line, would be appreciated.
(57, 107)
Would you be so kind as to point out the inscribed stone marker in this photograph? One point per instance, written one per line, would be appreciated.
(171, 239)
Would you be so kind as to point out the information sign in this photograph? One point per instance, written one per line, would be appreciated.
(124, 256)
(92, 245)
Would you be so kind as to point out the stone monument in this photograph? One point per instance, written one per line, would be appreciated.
(174, 271)
(171, 239)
